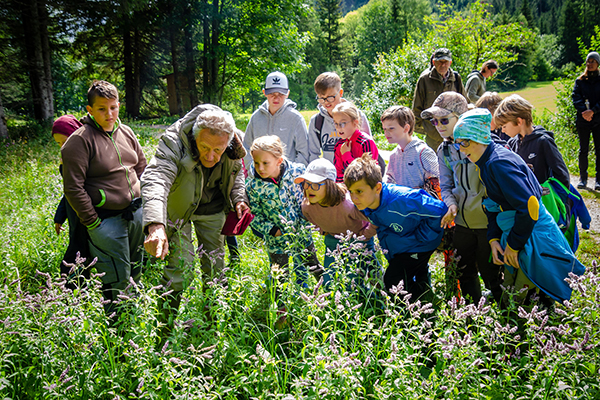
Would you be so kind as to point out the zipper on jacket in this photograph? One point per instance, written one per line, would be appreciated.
(463, 171)
(121, 162)
(555, 257)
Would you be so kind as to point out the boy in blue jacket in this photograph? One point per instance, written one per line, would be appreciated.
(522, 234)
(408, 224)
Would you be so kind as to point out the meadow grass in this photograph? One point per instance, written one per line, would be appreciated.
(541, 94)
(334, 344)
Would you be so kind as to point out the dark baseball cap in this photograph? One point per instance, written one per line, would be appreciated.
(442, 54)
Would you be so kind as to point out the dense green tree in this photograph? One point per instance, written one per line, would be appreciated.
(526, 12)
(329, 12)
(473, 38)
(243, 41)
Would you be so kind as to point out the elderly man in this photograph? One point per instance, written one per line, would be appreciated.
(433, 81)
(195, 177)
(475, 86)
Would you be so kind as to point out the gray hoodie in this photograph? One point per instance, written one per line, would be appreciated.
(326, 138)
(287, 123)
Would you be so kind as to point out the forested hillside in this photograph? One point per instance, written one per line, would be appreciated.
(165, 56)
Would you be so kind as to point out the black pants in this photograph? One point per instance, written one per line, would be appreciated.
(474, 250)
(413, 269)
(78, 243)
(584, 131)
(303, 263)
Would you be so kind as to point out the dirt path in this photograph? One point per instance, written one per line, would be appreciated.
(592, 201)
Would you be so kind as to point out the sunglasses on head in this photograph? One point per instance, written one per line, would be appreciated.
(443, 121)
(313, 186)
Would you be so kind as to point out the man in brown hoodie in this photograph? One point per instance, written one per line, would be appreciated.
(102, 163)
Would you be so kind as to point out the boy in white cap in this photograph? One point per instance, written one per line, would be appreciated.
(278, 116)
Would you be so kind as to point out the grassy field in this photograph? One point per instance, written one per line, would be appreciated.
(332, 345)
(541, 94)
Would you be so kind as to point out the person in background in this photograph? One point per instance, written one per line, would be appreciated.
(62, 128)
(475, 86)
(586, 99)
(353, 143)
(490, 101)
(412, 163)
(322, 135)
(278, 116)
(432, 82)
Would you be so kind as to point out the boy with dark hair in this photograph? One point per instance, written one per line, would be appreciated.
(278, 116)
(102, 163)
(408, 224)
(522, 234)
(534, 144)
(321, 129)
(412, 163)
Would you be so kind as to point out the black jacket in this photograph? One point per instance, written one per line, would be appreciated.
(587, 88)
(541, 154)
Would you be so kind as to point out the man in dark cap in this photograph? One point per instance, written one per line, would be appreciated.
(433, 81)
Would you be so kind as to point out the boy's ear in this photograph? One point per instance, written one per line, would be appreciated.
(407, 128)
(89, 108)
(264, 92)
(378, 187)
(341, 93)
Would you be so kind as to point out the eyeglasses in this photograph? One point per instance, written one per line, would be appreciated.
(443, 121)
(328, 99)
(313, 186)
(463, 143)
(341, 125)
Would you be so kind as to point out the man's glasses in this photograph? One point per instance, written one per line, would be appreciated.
(313, 186)
(462, 143)
(443, 121)
(341, 125)
(328, 99)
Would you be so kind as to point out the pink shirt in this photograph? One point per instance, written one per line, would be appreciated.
(360, 143)
(338, 219)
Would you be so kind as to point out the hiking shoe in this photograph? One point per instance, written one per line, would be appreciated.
(583, 184)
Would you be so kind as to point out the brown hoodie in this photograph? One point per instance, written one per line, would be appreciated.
(101, 170)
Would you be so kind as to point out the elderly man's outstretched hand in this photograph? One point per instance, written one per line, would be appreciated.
(156, 243)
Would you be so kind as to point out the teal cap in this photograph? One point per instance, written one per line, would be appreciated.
(474, 125)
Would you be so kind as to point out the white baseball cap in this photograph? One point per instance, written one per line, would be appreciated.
(276, 82)
(317, 171)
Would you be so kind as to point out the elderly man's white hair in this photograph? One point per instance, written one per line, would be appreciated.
(219, 122)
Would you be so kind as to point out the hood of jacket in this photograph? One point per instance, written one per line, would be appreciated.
(475, 73)
(264, 107)
(183, 128)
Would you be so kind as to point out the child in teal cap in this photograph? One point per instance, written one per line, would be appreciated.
(522, 234)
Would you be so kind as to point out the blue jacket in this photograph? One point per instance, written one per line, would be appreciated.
(408, 220)
(512, 185)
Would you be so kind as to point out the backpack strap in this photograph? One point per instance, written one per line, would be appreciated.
(319, 125)
(456, 81)
(446, 153)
